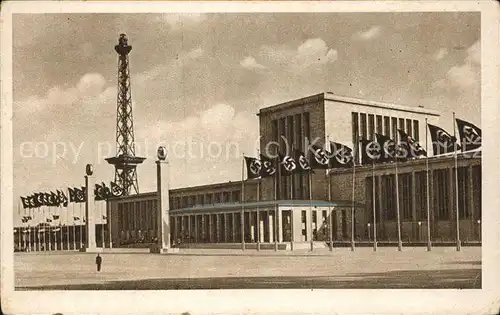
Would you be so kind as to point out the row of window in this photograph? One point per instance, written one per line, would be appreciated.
(138, 215)
(205, 199)
(443, 195)
(291, 133)
(364, 126)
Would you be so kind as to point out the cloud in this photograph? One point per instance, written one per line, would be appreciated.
(87, 96)
(311, 52)
(250, 63)
(179, 20)
(466, 75)
(440, 54)
(169, 69)
(201, 145)
(369, 34)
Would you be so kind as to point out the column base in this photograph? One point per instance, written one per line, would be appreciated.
(158, 249)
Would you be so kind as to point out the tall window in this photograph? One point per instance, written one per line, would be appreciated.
(281, 133)
(394, 127)
(298, 131)
(225, 197)
(355, 133)
(401, 125)
(307, 126)
(274, 133)
(477, 190)
(185, 202)
(416, 135)
(405, 194)
(289, 131)
(387, 126)
(201, 199)
(218, 197)
(463, 193)
(421, 195)
(409, 129)
(379, 126)
(371, 199)
(209, 199)
(235, 196)
(371, 126)
(362, 117)
(441, 187)
(388, 194)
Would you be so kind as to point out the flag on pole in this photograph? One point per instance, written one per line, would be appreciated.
(442, 141)
(342, 156)
(412, 149)
(116, 190)
(72, 195)
(301, 161)
(288, 165)
(268, 167)
(388, 148)
(254, 167)
(470, 135)
(63, 200)
(320, 158)
(26, 203)
(370, 152)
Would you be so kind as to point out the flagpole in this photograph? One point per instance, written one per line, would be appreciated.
(258, 215)
(29, 230)
(354, 161)
(310, 209)
(400, 243)
(74, 226)
(276, 219)
(330, 216)
(242, 219)
(102, 224)
(374, 210)
(38, 235)
(81, 227)
(429, 246)
(50, 230)
(456, 186)
(61, 227)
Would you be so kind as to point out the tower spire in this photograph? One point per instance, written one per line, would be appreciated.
(125, 161)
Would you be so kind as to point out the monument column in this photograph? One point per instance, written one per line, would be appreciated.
(90, 245)
(163, 213)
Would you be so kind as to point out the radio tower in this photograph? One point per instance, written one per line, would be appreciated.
(125, 161)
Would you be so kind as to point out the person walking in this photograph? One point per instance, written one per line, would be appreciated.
(98, 261)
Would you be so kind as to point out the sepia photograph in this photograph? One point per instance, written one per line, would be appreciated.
(239, 148)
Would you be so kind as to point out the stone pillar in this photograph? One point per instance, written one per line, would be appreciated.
(280, 226)
(210, 228)
(163, 213)
(233, 238)
(196, 231)
(90, 245)
(225, 227)
(271, 226)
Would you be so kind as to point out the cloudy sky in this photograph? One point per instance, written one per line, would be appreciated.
(198, 80)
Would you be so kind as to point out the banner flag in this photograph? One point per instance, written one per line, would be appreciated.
(342, 156)
(442, 141)
(470, 135)
(254, 167)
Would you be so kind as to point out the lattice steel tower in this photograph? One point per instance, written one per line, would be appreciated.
(125, 161)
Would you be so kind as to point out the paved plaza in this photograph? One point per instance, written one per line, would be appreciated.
(443, 267)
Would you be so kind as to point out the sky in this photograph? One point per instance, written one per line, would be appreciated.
(198, 81)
